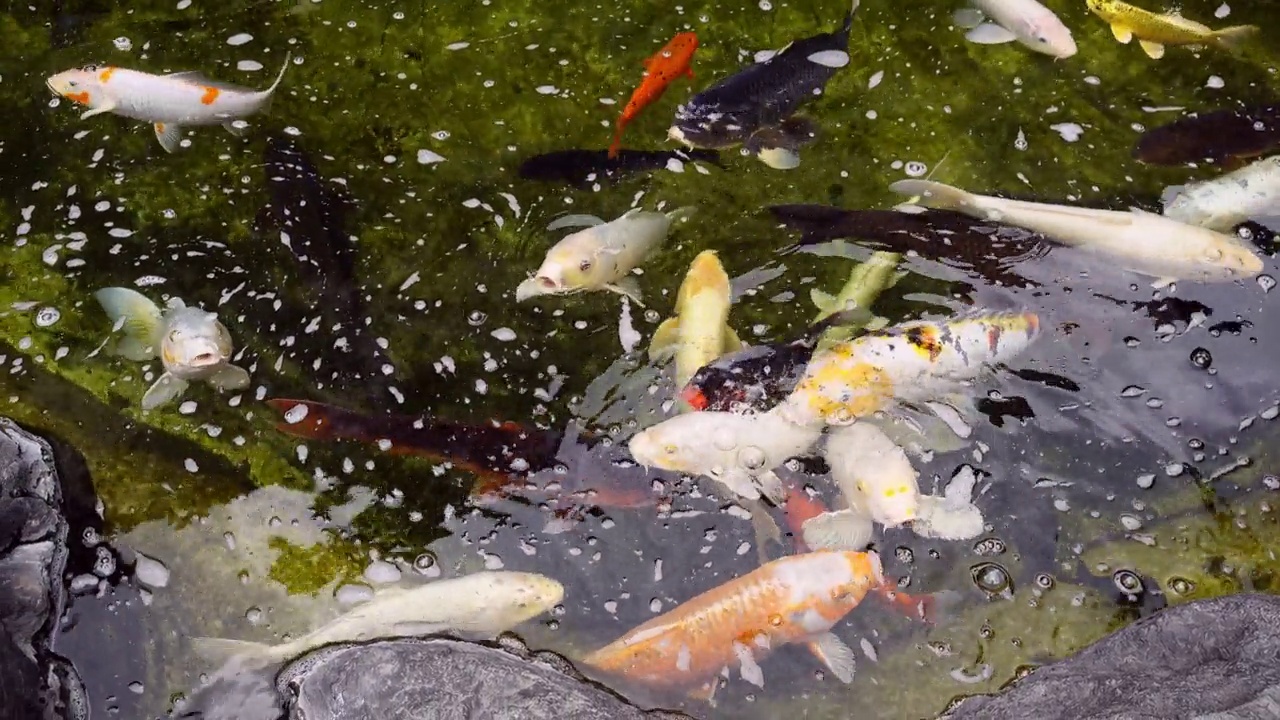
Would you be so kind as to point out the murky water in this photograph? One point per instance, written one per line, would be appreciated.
(1129, 469)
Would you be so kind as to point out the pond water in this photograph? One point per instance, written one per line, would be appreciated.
(1128, 445)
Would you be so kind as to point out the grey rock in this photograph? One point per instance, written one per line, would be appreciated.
(34, 682)
(446, 679)
(1216, 659)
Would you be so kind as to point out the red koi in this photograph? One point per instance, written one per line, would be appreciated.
(669, 63)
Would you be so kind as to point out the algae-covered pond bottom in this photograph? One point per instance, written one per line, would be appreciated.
(362, 242)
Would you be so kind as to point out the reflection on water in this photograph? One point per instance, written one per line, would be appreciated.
(362, 243)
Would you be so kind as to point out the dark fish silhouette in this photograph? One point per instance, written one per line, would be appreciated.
(1228, 137)
(984, 248)
(581, 168)
(755, 106)
(506, 457)
(310, 213)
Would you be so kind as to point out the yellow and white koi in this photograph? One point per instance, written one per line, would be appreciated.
(1154, 31)
(880, 485)
(1223, 202)
(738, 451)
(191, 343)
(169, 102)
(699, 332)
(914, 362)
(795, 599)
(601, 256)
(1144, 242)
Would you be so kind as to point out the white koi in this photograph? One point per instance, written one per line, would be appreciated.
(1222, 203)
(1025, 21)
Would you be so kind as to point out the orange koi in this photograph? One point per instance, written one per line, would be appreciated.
(669, 63)
(795, 599)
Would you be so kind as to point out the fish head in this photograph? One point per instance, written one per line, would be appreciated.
(532, 594)
(1045, 33)
(892, 501)
(83, 86)
(865, 572)
(700, 126)
(195, 342)
(706, 274)
(681, 444)
(1235, 258)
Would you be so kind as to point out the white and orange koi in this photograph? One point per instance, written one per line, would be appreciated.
(169, 102)
(796, 599)
(914, 362)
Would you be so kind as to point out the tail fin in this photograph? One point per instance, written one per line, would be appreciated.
(221, 650)
(838, 530)
(934, 194)
(682, 213)
(1233, 38)
(283, 68)
(141, 319)
(848, 19)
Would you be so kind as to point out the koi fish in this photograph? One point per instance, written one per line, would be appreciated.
(986, 249)
(1146, 243)
(1155, 31)
(1025, 21)
(699, 332)
(1221, 136)
(502, 455)
(169, 102)
(1224, 202)
(601, 256)
(916, 362)
(756, 106)
(483, 604)
(191, 343)
(660, 70)
(583, 168)
(737, 451)
(796, 599)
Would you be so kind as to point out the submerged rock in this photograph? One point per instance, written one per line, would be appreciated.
(1208, 659)
(445, 679)
(34, 682)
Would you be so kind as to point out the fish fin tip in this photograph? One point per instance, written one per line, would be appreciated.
(835, 655)
(568, 221)
(163, 391)
(665, 339)
(221, 650)
(968, 17)
(1154, 50)
(628, 287)
(822, 300)
(142, 317)
(838, 530)
(989, 33)
(732, 343)
(230, 377)
(236, 130)
(169, 135)
(1122, 34)
(779, 158)
(930, 193)
(1233, 38)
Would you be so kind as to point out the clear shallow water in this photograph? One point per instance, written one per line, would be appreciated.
(229, 505)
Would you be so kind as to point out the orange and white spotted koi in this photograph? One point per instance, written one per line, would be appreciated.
(169, 102)
(914, 362)
(796, 599)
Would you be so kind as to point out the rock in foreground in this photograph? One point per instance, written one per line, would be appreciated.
(445, 679)
(1216, 659)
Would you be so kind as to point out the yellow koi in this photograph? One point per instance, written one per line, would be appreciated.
(1155, 31)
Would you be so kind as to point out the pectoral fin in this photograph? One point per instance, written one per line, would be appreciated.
(164, 390)
(1162, 283)
(823, 300)
(629, 287)
(100, 110)
(944, 520)
(839, 530)
(1154, 50)
(141, 319)
(779, 158)
(835, 655)
(169, 135)
(1122, 33)
(968, 18)
(732, 343)
(569, 221)
(990, 34)
(231, 127)
(230, 377)
(666, 339)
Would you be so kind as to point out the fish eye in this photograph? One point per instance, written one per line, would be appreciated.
(1042, 39)
(585, 265)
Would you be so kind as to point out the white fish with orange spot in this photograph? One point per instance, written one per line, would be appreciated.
(191, 343)
(169, 102)
(920, 362)
(796, 599)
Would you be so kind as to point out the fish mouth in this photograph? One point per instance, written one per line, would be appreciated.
(675, 132)
(535, 286)
(204, 360)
